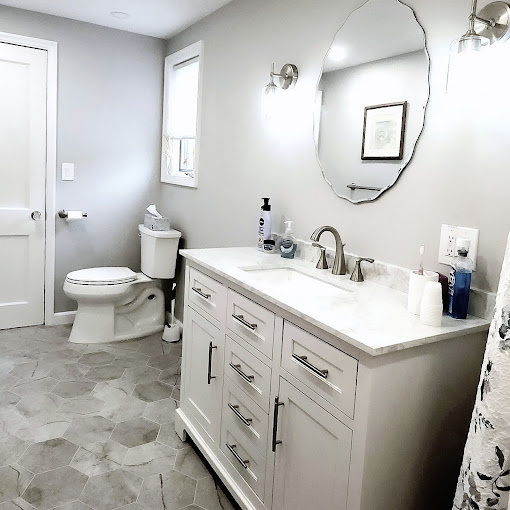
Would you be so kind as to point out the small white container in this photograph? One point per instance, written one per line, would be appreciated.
(431, 310)
(159, 252)
(417, 284)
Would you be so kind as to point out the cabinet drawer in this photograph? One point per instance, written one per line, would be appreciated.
(245, 415)
(244, 457)
(250, 321)
(248, 372)
(207, 294)
(328, 371)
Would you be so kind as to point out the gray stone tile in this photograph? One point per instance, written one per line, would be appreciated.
(100, 457)
(150, 392)
(89, 429)
(17, 504)
(152, 345)
(81, 406)
(189, 463)
(141, 374)
(167, 491)
(161, 411)
(7, 398)
(6, 381)
(172, 375)
(164, 361)
(10, 422)
(68, 372)
(105, 373)
(72, 505)
(13, 481)
(135, 432)
(150, 459)
(32, 370)
(126, 409)
(111, 490)
(64, 355)
(210, 496)
(48, 455)
(113, 391)
(71, 389)
(42, 385)
(176, 393)
(53, 488)
(43, 426)
(130, 359)
(173, 348)
(168, 436)
(97, 358)
(132, 506)
(33, 404)
(11, 449)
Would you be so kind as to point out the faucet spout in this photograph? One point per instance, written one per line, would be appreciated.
(339, 262)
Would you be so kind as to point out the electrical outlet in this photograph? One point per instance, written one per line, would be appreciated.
(449, 235)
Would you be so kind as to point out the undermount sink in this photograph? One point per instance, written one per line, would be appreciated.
(291, 280)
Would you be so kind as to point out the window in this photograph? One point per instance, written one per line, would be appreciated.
(181, 116)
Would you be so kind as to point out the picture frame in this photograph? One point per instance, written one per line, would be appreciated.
(384, 129)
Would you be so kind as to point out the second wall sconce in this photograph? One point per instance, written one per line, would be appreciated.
(287, 79)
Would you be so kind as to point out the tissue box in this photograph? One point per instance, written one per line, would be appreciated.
(154, 223)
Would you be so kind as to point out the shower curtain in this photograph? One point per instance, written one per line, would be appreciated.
(484, 481)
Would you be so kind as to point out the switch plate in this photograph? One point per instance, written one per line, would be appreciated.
(68, 171)
(449, 235)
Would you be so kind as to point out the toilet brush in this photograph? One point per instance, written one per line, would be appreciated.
(172, 331)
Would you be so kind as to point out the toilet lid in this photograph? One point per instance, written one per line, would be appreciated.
(102, 276)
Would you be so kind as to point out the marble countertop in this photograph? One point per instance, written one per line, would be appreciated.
(369, 316)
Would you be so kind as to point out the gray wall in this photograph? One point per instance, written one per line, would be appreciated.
(459, 175)
(109, 125)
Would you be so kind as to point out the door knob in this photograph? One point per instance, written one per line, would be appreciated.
(36, 215)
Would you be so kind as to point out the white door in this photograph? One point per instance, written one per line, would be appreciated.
(23, 88)
(313, 458)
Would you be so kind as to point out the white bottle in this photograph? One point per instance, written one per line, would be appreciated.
(265, 228)
(288, 245)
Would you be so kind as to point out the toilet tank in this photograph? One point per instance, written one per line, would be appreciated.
(159, 252)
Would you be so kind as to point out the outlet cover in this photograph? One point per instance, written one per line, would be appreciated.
(68, 171)
(448, 239)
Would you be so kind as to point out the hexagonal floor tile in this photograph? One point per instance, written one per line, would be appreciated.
(81, 406)
(210, 496)
(48, 455)
(98, 458)
(135, 432)
(149, 459)
(168, 436)
(189, 463)
(111, 490)
(141, 374)
(32, 404)
(54, 488)
(89, 429)
(105, 373)
(150, 392)
(96, 358)
(71, 389)
(164, 361)
(42, 385)
(13, 481)
(43, 426)
(168, 491)
(161, 411)
(11, 449)
(17, 504)
(68, 372)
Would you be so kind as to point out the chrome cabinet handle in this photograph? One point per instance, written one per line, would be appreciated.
(36, 215)
(239, 459)
(240, 319)
(209, 366)
(237, 369)
(235, 410)
(276, 441)
(200, 293)
(315, 370)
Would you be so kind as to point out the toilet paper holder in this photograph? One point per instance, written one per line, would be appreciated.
(64, 215)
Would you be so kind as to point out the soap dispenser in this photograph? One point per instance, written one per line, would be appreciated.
(288, 245)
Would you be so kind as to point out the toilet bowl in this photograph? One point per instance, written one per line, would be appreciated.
(115, 303)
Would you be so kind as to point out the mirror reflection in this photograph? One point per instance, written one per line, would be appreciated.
(371, 99)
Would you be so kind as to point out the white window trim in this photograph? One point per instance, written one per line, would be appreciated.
(192, 51)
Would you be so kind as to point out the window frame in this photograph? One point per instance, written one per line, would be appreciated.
(195, 50)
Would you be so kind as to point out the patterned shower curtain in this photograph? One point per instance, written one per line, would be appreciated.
(484, 481)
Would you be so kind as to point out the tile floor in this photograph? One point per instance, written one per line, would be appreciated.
(91, 427)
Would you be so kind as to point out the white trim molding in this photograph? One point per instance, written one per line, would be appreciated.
(51, 162)
(61, 318)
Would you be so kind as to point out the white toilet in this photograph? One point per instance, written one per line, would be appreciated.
(115, 303)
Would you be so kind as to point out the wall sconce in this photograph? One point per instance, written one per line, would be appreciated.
(491, 25)
(270, 95)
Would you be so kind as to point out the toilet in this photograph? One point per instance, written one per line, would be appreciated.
(115, 303)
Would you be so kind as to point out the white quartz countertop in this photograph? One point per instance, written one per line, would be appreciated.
(366, 315)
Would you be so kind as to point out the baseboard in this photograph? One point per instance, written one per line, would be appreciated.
(62, 318)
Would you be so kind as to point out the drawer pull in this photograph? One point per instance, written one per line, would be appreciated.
(237, 369)
(239, 459)
(209, 365)
(315, 370)
(203, 295)
(276, 441)
(240, 319)
(235, 410)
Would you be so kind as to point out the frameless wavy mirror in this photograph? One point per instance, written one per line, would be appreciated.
(371, 99)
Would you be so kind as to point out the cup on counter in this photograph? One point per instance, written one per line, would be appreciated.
(417, 284)
(431, 310)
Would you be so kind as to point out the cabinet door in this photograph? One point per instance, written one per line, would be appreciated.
(312, 460)
(203, 373)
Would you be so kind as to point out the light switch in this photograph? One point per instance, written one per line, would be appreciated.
(68, 171)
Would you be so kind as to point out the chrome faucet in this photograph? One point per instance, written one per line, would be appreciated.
(339, 262)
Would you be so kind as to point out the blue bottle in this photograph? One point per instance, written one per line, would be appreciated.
(459, 281)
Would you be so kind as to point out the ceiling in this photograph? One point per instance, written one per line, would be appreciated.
(158, 18)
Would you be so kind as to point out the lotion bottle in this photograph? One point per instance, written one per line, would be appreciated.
(288, 245)
(265, 227)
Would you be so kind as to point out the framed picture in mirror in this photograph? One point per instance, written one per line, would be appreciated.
(384, 132)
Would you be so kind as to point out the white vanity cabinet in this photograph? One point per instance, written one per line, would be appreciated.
(292, 417)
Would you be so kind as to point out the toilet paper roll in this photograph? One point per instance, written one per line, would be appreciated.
(417, 284)
(74, 215)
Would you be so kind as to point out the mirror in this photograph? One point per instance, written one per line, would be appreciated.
(371, 100)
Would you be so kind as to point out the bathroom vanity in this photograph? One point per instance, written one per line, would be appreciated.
(308, 391)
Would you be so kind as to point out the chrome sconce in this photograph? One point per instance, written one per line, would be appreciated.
(489, 26)
(287, 79)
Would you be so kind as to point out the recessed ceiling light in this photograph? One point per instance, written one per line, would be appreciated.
(120, 15)
(337, 53)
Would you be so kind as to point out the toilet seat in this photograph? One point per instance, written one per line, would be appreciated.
(102, 276)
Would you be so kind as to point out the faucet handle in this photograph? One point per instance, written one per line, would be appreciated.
(357, 274)
(322, 262)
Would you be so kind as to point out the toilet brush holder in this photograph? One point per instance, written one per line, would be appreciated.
(172, 333)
